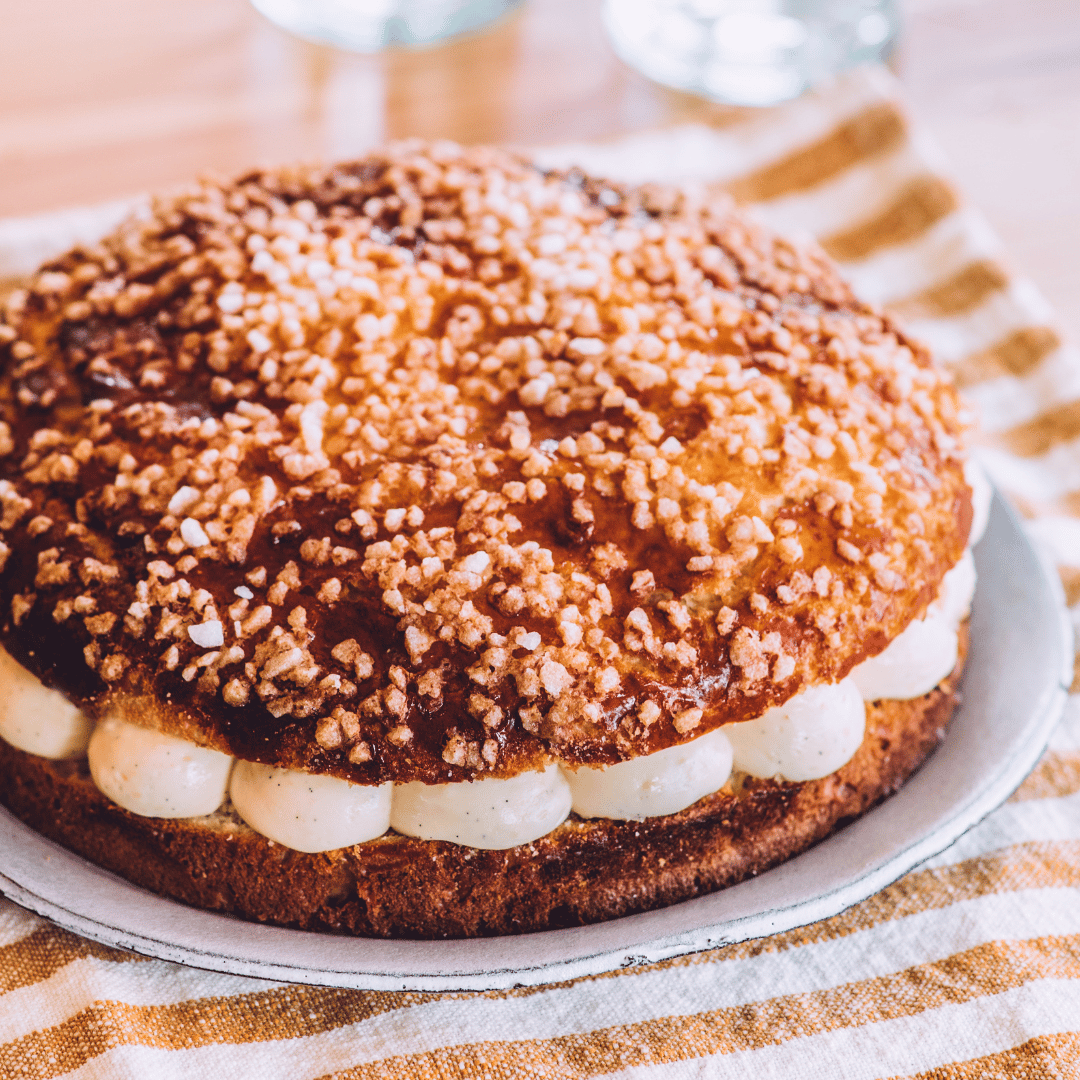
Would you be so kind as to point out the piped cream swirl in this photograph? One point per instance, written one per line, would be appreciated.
(492, 813)
(36, 719)
(306, 812)
(156, 775)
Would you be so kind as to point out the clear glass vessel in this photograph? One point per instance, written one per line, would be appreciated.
(749, 52)
(372, 25)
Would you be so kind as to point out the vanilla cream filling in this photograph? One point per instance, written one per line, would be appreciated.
(808, 737)
(307, 812)
(953, 603)
(982, 494)
(654, 785)
(156, 775)
(491, 814)
(36, 719)
(918, 659)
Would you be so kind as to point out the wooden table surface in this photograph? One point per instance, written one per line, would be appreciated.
(111, 97)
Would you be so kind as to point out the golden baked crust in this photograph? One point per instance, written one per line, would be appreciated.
(434, 466)
(582, 872)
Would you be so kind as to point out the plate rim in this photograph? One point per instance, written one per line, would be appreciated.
(586, 961)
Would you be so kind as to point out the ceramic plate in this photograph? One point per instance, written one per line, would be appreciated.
(1014, 688)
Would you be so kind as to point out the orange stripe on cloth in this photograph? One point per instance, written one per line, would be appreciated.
(964, 291)
(1046, 1056)
(1065, 505)
(287, 1013)
(879, 129)
(920, 203)
(1055, 776)
(1070, 579)
(965, 977)
(41, 954)
(1049, 429)
(1022, 351)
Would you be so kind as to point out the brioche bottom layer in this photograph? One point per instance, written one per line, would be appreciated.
(395, 887)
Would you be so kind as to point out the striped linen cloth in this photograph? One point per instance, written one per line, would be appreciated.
(967, 967)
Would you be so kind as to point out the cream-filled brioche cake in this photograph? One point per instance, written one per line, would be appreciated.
(431, 545)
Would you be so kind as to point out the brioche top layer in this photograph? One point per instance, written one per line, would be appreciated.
(434, 465)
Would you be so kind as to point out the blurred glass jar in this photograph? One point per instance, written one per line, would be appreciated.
(749, 52)
(372, 25)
